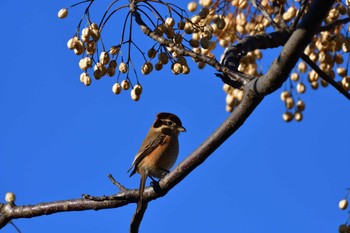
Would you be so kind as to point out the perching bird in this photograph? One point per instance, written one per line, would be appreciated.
(159, 150)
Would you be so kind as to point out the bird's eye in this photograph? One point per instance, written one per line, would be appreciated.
(170, 123)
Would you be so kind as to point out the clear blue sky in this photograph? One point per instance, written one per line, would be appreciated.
(59, 139)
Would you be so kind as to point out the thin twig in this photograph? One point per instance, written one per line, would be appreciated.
(334, 24)
(300, 13)
(119, 185)
(325, 76)
(264, 12)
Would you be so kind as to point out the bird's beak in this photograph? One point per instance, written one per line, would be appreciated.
(182, 129)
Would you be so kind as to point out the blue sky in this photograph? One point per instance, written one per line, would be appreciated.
(59, 139)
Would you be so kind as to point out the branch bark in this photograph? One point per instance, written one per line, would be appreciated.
(254, 93)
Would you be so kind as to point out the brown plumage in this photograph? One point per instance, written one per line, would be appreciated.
(159, 150)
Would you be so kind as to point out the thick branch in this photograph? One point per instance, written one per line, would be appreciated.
(294, 48)
(137, 218)
(254, 92)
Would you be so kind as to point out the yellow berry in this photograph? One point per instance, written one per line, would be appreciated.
(134, 96)
(123, 67)
(170, 22)
(114, 50)
(192, 6)
(125, 84)
(116, 88)
(287, 116)
(300, 105)
(147, 68)
(104, 58)
(176, 68)
(62, 13)
(294, 76)
(285, 95)
(85, 63)
(302, 67)
(301, 88)
(71, 44)
(289, 102)
(137, 89)
(343, 204)
(10, 197)
(298, 116)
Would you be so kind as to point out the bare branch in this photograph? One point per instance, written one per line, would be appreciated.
(119, 185)
(137, 218)
(324, 76)
(334, 24)
(254, 93)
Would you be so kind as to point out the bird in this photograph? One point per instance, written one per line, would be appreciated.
(158, 151)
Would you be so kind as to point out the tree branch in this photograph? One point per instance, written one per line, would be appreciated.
(137, 218)
(294, 47)
(324, 76)
(254, 93)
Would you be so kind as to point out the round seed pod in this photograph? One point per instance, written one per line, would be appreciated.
(294, 76)
(170, 22)
(116, 88)
(62, 13)
(85, 79)
(300, 106)
(111, 71)
(301, 88)
(289, 102)
(85, 63)
(113, 64)
(91, 47)
(221, 23)
(71, 43)
(95, 34)
(137, 89)
(163, 58)
(343, 204)
(302, 67)
(158, 66)
(287, 116)
(93, 26)
(104, 58)
(285, 95)
(298, 116)
(192, 6)
(10, 197)
(123, 67)
(114, 50)
(178, 38)
(151, 53)
(203, 13)
(125, 84)
(176, 68)
(134, 96)
(147, 68)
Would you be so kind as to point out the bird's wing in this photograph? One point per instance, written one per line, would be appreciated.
(146, 149)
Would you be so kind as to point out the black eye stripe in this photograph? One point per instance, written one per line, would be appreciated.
(167, 122)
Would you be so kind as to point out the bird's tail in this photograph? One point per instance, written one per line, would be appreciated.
(141, 189)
